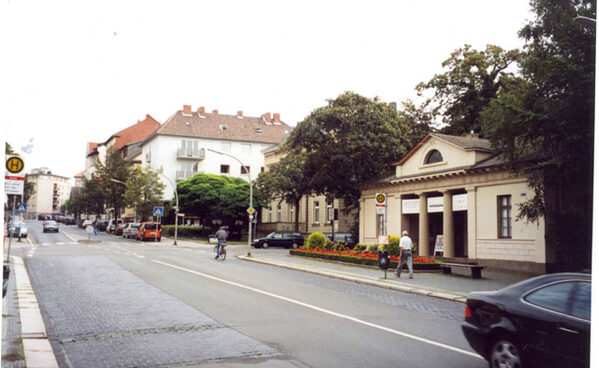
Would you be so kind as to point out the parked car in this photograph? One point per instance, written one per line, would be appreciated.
(130, 230)
(280, 239)
(50, 225)
(101, 225)
(112, 224)
(22, 229)
(87, 223)
(69, 220)
(149, 230)
(348, 238)
(119, 229)
(541, 322)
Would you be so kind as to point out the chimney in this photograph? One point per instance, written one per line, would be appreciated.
(215, 112)
(202, 111)
(276, 118)
(240, 114)
(266, 117)
(187, 109)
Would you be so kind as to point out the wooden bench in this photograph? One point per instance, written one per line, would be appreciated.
(475, 269)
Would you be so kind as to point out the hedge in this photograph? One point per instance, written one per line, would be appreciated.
(187, 231)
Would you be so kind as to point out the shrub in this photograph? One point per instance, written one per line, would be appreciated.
(186, 231)
(340, 246)
(328, 245)
(372, 249)
(359, 248)
(393, 247)
(316, 240)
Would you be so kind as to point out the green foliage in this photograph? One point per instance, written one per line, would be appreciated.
(114, 170)
(91, 198)
(347, 143)
(472, 79)
(8, 149)
(194, 232)
(214, 196)
(393, 247)
(372, 249)
(143, 191)
(359, 248)
(316, 240)
(543, 125)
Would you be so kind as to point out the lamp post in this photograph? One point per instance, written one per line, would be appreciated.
(251, 196)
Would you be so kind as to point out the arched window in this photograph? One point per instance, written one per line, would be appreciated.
(433, 157)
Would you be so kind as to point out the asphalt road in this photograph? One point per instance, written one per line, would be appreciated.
(122, 303)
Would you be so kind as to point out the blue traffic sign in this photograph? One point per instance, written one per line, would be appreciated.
(22, 208)
(158, 211)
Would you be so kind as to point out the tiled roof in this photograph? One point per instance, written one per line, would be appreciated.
(78, 175)
(91, 147)
(136, 132)
(227, 127)
(466, 142)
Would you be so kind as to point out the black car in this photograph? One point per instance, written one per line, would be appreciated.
(280, 239)
(101, 225)
(541, 322)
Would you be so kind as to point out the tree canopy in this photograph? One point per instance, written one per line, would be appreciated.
(348, 142)
(143, 191)
(112, 174)
(473, 78)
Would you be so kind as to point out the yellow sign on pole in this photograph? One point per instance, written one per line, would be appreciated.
(15, 164)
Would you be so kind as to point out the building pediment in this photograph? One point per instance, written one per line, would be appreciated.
(438, 153)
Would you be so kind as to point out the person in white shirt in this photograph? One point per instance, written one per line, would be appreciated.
(405, 246)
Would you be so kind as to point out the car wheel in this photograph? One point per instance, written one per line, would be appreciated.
(294, 245)
(264, 245)
(505, 353)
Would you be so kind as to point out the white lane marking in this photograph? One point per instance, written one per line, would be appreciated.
(326, 311)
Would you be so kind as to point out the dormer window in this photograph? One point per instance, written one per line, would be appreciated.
(259, 130)
(433, 156)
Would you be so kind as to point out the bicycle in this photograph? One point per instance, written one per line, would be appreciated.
(223, 252)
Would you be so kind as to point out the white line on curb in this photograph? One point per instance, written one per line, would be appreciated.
(322, 310)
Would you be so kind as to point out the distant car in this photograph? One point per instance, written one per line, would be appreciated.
(541, 322)
(149, 230)
(101, 225)
(112, 225)
(50, 225)
(119, 229)
(22, 229)
(130, 230)
(280, 239)
(69, 220)
(348, 238)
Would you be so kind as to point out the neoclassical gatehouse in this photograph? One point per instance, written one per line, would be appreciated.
(455, 187)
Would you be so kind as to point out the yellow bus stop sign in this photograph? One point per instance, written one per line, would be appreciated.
(14, 164)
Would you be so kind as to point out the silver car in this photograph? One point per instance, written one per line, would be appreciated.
(50, 226)
(130, 230)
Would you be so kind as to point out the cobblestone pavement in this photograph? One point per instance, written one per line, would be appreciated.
(151, 330)
(12, 347)
(419, 303)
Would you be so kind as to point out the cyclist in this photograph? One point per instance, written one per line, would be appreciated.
(221, 236)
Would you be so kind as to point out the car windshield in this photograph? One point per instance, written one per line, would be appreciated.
(50, 223)
(271, 235)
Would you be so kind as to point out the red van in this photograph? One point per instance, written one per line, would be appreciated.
(149, 230)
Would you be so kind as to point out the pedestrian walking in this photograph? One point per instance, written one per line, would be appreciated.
(405, 247)
(221, 238)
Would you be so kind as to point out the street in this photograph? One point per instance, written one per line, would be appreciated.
(122, 303)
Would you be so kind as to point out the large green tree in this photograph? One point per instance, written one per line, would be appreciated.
(112, 173)
(211, 196)
(472, 79)
(543, 126)
(286, 180)
(91, 198)
(144, 190)
(348, 142)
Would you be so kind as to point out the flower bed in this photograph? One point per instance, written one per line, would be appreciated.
(349, 256)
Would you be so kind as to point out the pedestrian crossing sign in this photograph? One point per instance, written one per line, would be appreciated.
(158, 211)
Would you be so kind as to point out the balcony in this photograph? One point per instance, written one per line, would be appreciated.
(185, 174)
(191, 154)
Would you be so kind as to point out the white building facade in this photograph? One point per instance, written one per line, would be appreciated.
(188, 142)
(50, 192)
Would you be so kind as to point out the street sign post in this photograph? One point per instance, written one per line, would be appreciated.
(158, 211)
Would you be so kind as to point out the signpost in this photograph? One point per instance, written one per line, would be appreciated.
(14, 183)
(438, 245)
(158, 212)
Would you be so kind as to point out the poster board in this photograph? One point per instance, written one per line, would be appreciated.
(438, 245)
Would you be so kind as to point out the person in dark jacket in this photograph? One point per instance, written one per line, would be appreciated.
(221, 237)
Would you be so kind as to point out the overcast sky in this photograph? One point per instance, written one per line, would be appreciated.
(79, 71)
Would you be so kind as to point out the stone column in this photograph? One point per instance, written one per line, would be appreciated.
(423, 246)
(448, 235)
(471, 198)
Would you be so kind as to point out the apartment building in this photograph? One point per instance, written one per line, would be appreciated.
(50, 192)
